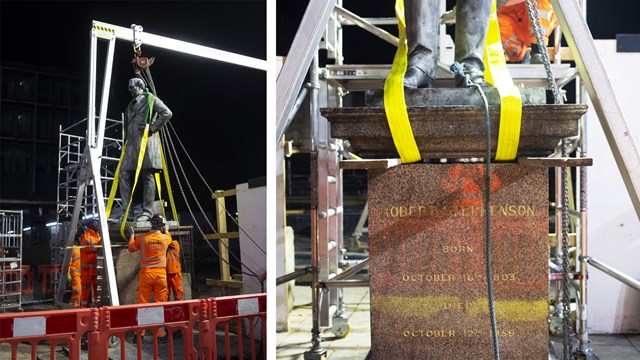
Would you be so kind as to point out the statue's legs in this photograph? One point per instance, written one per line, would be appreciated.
(147, 182)
(422, 17)
(149, 191)
(124, 184)
(472, 21)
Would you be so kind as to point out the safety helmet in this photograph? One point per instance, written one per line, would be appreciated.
(92, 223)
(157, 221)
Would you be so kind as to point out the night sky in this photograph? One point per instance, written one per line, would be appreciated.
(219, 109)
(605, 20)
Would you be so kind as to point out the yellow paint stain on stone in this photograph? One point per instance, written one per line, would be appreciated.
(428, 306)
(402, 306)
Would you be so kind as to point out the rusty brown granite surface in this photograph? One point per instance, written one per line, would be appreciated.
(428, 278)
(453, 131)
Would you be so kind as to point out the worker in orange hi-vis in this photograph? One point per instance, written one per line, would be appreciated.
(88, 269)
(153, 262)
(517, 33)
(73, 276)
(174, 272)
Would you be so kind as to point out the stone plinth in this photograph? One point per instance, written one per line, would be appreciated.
(428, 276)
(453, 131)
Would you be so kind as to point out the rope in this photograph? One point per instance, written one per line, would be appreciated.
(532, 6)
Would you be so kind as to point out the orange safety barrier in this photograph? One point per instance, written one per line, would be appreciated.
(11, 278)
(56, 327)
(117, 321)
(27, 279)
(242, 318)
(48, 274)
(248, 313)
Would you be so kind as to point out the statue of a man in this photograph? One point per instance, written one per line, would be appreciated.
(422, 16)
(137, 115)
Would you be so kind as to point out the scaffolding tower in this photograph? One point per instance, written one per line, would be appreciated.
(10, 260)
(321, 28)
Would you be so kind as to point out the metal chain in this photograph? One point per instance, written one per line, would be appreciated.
(532, 9)
(172, 151)
(175, 134)
(150, 81)
(567, 326)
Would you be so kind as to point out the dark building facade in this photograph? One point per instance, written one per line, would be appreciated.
(35, 103)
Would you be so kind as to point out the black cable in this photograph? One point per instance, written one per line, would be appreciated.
(487, 222)
(457, 68)
(207, 185)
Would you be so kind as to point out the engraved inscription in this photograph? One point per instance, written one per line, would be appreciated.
(425, 211)
(428, 277)
(457, 249)
(429, 333)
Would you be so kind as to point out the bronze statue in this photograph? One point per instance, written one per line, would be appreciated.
(137, 115)
(422, 17)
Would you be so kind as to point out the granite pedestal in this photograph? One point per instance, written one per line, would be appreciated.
(428, 276)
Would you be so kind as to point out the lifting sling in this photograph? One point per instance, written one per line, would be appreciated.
(496, 73)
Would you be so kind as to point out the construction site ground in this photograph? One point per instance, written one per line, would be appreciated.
(293, 344)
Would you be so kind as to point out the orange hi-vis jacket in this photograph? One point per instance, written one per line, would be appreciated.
(74, 264)
(516, 30)
(153, 251)
(173, 258)
(88, 254)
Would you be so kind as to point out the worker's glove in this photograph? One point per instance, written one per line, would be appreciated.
(68, 279)
(129, 233)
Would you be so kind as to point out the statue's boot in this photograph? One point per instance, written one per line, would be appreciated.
(422, 17)
(472, 21)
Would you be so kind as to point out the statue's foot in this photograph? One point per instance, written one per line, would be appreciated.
(537, 59)
(471, 75)
(145, 216)
(415, 78)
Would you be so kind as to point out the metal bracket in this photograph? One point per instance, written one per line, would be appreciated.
(137, 41)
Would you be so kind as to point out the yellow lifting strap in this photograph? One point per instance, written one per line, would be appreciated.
(116, 176)
(497, 74)
(143, 148)
(394, 104)
(114, 184)
(157, 177)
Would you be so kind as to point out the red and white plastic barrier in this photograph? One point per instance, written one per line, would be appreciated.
(249, 315)
(57, 327)
(240, 321)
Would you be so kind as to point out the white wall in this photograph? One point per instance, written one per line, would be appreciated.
(252, 210)
(613, 227)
